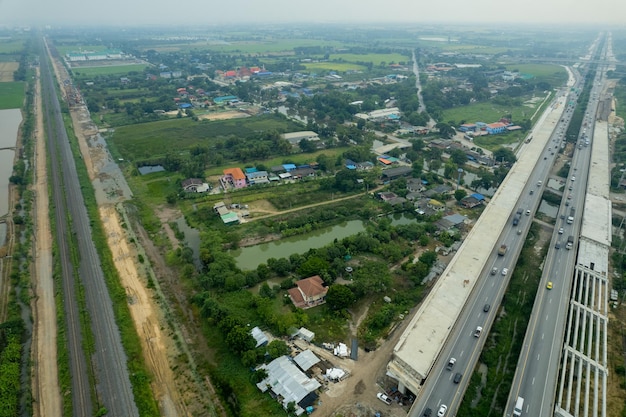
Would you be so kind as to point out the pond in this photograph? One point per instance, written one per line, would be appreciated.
(10, 120)
(250, 257)
(191, 239)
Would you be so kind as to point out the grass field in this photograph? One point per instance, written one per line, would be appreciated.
(107, 70)
(261, 47)
(488, 113)
(375, 59)
(11, 46)
(11, 95)
(553, 74)
(153, 140)
(333, 66)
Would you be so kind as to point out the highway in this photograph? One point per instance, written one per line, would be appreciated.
(462, 344)
(109, 362)
(538, 366)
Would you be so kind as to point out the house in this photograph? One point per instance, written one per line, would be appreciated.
(414, 185)
(309, 292)
(395, 173)
(233, 177)
(387, 196)
(220, 208)
(289, 384)
(436, 205)
(305, 334)
(257, 177)
(300, 173)
(260, 336)
(195, 185)
(364, 166)
(496, 128)
(294, 138)
(470, 202)
(230, 218)
(306, 360)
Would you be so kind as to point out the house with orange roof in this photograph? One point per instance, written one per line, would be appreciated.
(233, 177)
(309, 292)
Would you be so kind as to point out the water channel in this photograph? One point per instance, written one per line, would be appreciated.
(10, 120)
(250, 257)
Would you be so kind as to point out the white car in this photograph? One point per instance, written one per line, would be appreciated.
(384, 398)
(505, 271)
(442, 410)
(561, 230)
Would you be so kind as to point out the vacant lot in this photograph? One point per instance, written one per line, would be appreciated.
(107, 68)
(154, 140)
(11, 95)
(6, 71)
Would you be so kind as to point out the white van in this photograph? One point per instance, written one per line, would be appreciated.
(519, 405)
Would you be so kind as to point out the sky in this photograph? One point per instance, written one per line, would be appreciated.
(222, 12)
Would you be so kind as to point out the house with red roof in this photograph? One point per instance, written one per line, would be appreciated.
(309, 292)
(233, 177)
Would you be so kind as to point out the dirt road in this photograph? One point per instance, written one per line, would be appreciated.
(47, 397)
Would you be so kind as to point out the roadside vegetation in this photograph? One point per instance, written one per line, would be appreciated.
(15, 324)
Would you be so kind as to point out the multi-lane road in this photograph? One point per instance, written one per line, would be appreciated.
(538, 366)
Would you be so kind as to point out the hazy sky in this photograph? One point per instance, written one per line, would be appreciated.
(140, 12)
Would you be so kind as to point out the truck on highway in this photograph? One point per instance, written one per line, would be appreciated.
(502, 250)
(519, 406)
(570, 218)
(570, 242)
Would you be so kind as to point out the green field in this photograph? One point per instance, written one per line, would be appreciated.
(107, 70)
(333, 66)
(11, 46)
(11, 95)
(553, 74)
(156, 139)
(261, 47)
(375, 59)
(488, 113)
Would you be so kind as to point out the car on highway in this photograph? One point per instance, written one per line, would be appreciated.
(427, 413)
(557, 245)
(442, 410)
(478, 331)
(549, 286)
(532, 192)
(505, 271)
(494, 270)
(528, 212)
(457, 377)
(383, 398)
(450, 364)
(569, 197)
(560, 230)
(486, 308)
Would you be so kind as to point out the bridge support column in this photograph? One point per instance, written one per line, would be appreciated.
(401, 387)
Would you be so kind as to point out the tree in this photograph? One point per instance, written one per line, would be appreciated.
(277, 348)
(460, 194)
(239, 339)
(313, 266)
(339, 297)
(504, 154)
(429, 257)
